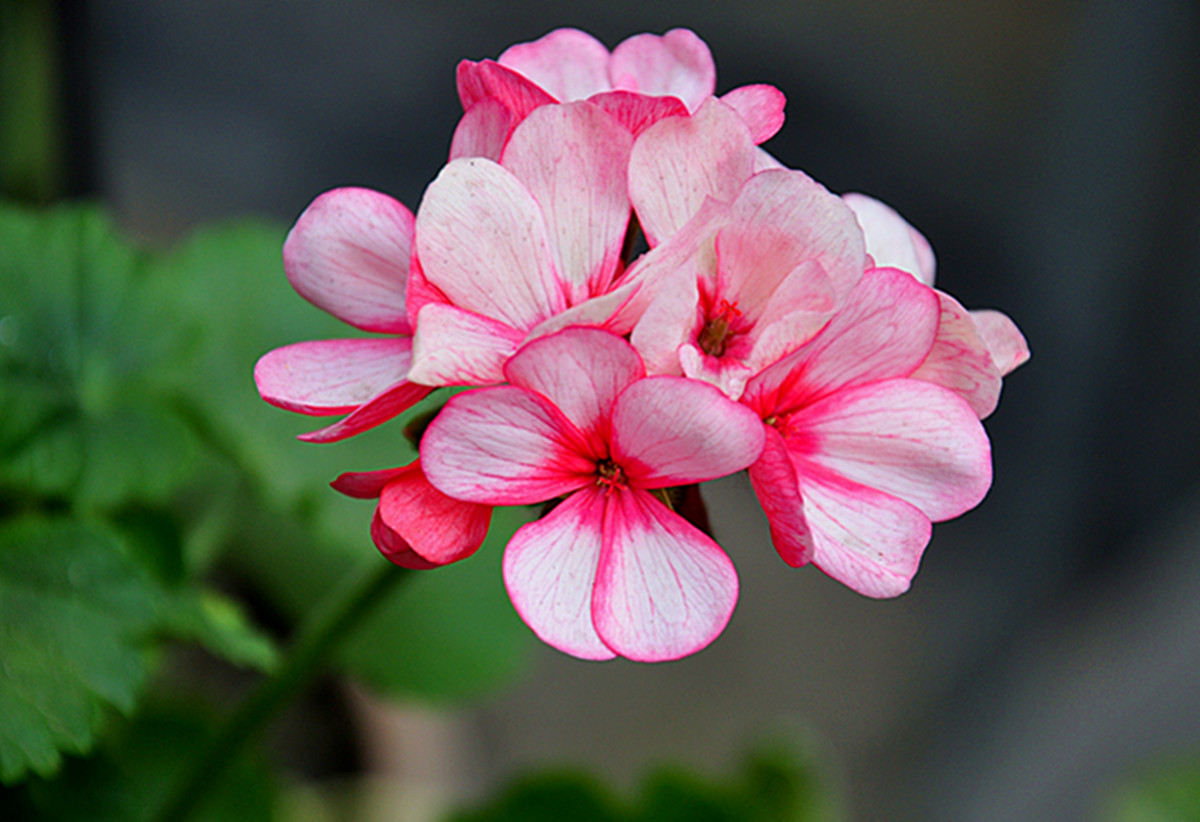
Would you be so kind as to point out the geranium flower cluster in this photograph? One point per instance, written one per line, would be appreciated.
(770, 325)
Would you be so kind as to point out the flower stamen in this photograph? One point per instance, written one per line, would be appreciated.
(714, 337)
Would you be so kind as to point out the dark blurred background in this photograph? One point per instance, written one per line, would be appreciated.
(1047, 149)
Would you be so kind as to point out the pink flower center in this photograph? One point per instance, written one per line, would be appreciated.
(610, 474)
(714, 337)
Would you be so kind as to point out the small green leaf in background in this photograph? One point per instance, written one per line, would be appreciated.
(1169, 792)
(550, 797)
(74, 614)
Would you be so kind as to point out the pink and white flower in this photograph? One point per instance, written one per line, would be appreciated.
(861, 456)
(974, 350)
(611, 570)
(645, 78)
(349, 255)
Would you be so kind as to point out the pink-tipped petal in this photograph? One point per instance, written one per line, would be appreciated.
(891, 241)
(348, 254)
(1002, 338)
(679, 161)
(726, 373)
(504, 446)
(960, 361)
(456, 347)
(867, 540)
(567, 63)
(573, 159)
(910, 439)
(393, 546)
(675, 431)
(677, 64)
(438, 528)
(487, 78)
(608, 311)
(368, 484)
(550, 569)
(663, 589)
(580, 370)
(885, 330)
(638, 112)
(379, 409)
(482, 241)
(761, 106)
(667, 323)
(482, 131)
(774, 479)
(324, 377)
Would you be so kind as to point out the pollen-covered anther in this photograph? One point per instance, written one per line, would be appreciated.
(714, 337)
(610, 474)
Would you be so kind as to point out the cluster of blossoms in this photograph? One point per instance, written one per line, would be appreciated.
(770, 326)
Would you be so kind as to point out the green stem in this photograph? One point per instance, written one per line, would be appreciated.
(335, 617)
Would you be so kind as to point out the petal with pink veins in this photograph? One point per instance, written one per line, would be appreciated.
(573, 160)
(675, 431)
(348, 254)
(677, 64)
(549, 571)
(679, 161)
(581, 371)
(726, 373)
(774, 479)
(505, 446)
(891, 241)
(608, 311)
(487, 78)
(638, 112)
(1003, 339)
(960, 361)
(663, 589)
(379, 409)
(482, 131)
(760, 106)
(482, 241)
(865, 539)
(457, 347)
(438, 528)
(331, 376)
(567, 63)
(667, 322)
(909, 439)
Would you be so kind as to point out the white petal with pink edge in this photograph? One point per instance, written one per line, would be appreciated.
(864, 538)
(487, 78)
(331, 376)
(567, 63)
(663, 590)
(457, 347)
(438, 528)
(638, 112)
(726, 373)
(550, 571)
(679, 161)
(676, 431)
(573, 159)
(504, 446)
(482, 131)
(891, 241)
(761, 106)
(677, 64)
(960, 361)
(1003, 339)
(379, 409)
(348, 254)
(908, 438)
(774, 479)
(580, 370)
(482, 241)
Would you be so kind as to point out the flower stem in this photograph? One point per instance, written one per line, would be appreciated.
(334, 618)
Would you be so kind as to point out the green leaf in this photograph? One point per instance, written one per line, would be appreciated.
(222, 627)
(74, 612)
(549, 797)
(1168, 792)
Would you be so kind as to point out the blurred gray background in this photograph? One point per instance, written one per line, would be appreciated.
(1047, 148)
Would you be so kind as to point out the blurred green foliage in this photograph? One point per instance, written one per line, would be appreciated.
(1166, 791)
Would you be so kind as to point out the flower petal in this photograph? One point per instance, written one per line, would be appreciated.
(550, 569)
(457, 347)
(774, 479)
(482, 131)
(679, 161)
(1003, 339)
(438, 528)
(487, 78)
(960, 361)
(482, 241)
(580, 370)
(367, 484)
(663, 589)
(864, 538)
(573, 159)
(504, 446)
(637, 112)
(907, 438)
(331, 376)
(667, 322)
(393, 546)
(379, 409)
(567, 63)
(760, 106)
(727, 373)
(677, 64)
(891, 241)
(676, 431)
(348, 254)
